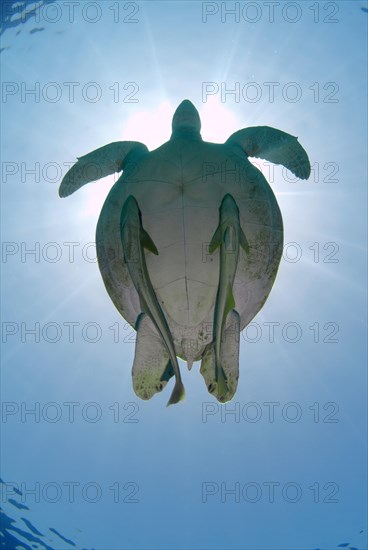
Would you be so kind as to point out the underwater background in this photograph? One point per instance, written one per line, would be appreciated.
(85, 463)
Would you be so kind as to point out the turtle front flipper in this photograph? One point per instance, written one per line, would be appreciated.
(100, 163)
(274, 145)
(152, 367)
(229, 359)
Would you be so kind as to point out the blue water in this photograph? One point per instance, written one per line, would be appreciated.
(283, 466)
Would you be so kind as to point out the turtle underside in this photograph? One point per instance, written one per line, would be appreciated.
(179, 188)
(189, 241)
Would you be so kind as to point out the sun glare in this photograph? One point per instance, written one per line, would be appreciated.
(218, 122)
(153, 128)
(150, 126)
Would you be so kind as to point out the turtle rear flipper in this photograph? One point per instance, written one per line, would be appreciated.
(274, 145)
(98, 164)
(229, 359)
(152, 367)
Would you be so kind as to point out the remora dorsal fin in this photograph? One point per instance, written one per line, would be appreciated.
(147, 242)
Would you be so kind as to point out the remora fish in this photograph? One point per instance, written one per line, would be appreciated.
(227, 236)
(134, 239)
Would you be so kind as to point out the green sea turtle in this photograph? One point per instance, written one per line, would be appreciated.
(189, 242)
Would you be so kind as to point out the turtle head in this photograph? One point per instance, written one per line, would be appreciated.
(186, 119)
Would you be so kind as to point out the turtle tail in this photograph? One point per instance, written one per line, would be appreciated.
(178, 393)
